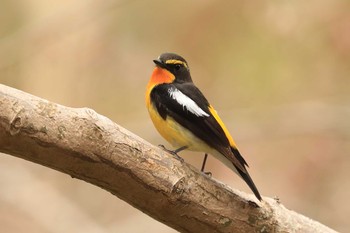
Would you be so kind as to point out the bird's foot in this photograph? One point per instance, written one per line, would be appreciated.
(209, 174)
(172, 152)
(203, 166)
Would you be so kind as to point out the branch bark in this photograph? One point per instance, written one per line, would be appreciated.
(90, 147)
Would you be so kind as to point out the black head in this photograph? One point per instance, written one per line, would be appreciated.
(176, 64)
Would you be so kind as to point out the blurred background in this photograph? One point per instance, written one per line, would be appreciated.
(278, 72)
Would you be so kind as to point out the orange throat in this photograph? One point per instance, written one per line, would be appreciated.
(159, 76)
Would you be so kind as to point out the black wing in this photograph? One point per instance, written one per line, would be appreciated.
(204, 127)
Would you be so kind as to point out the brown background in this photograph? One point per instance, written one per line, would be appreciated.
(278, 72)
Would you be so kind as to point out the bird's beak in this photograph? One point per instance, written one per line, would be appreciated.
(159, 63)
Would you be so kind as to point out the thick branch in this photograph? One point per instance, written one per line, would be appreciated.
(90, 147)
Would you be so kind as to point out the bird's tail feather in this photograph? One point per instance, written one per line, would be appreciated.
(246, 177)
(244, 174)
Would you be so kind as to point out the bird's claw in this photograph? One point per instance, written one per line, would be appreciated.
(172, 152)
(209, 174)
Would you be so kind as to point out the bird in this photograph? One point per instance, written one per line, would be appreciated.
(185, 118)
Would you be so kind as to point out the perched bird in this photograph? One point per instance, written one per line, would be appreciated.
(185, 118)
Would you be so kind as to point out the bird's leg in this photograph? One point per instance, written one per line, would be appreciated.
(180, 149)
(174, 152)
(204, 161)
(203, 165)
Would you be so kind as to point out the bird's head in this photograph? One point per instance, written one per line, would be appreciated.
(176, 65)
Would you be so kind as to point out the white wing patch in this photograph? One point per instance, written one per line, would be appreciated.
(186, 102)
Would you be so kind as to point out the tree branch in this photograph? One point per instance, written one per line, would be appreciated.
(90, 147)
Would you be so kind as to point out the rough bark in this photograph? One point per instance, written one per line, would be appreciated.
(90, 147)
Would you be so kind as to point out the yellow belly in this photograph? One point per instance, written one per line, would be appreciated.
(176, 134)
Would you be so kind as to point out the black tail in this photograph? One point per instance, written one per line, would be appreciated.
(244, 174)
(246, 177)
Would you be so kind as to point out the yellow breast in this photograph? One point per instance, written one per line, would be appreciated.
(174, 133)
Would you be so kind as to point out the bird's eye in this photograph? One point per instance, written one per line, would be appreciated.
(177, 67)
